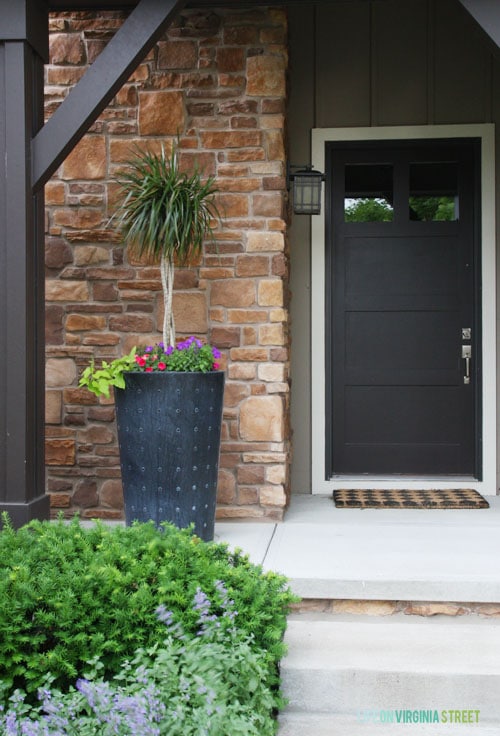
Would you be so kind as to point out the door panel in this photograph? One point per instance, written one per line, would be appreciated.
(401, 290)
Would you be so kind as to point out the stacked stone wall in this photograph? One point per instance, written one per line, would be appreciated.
(215, 83)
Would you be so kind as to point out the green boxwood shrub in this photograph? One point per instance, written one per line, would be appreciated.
(69, 594)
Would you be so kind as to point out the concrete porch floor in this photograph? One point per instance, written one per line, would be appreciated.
(405, 555)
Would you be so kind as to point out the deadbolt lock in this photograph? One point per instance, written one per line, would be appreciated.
(466, 333)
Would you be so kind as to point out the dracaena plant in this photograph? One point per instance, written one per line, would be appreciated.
(165, 215)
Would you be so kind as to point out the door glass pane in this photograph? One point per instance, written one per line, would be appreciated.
(369, 193)
(434, 192)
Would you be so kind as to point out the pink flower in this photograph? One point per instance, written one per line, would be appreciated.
(149, 369)
(140, 361)
(161, 366)
(216, 366)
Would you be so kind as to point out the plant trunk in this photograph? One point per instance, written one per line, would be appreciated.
(167, 282)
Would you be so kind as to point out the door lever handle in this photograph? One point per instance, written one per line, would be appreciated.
(467, 356)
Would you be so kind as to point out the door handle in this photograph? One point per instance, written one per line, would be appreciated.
(467, 356)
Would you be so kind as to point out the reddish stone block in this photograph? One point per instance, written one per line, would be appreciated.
(85, 494)
(60, 452)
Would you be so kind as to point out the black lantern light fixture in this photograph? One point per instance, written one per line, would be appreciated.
(307, 184)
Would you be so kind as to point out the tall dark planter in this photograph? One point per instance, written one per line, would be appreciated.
(169, 427)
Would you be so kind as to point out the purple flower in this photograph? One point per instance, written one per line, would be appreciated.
(216, 353)
(149, 349)
(169, 350)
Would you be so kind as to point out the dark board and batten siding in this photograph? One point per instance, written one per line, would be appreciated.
(360, 63)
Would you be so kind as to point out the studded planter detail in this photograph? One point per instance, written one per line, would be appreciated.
(169, 427)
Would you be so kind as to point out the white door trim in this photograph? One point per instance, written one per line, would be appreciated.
(486, 133)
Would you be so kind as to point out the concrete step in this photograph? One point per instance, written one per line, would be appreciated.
(357, 666)
(326, 724)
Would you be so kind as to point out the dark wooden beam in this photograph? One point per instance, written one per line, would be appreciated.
(23, 52)
(98, 86)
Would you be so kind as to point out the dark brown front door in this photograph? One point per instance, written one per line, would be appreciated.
(404, 329)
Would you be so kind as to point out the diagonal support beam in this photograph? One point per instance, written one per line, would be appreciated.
(98, 86)
(487, 14)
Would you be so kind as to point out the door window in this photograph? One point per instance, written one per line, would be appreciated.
(369, 193)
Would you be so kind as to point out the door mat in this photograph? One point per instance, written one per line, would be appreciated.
(456, 498)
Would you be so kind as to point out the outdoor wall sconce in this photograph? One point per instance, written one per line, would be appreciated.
(307, 184)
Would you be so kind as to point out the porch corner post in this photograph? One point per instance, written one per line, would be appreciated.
(23, 51)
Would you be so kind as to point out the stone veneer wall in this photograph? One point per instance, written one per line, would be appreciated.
(217, 79)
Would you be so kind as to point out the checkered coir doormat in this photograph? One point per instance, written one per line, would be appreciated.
(457, 498)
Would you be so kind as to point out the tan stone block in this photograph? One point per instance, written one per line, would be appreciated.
(86, 255)
(271, 334)
(242, 372)
(264, 457)
(111, 494)
(60, 372)
(239, 512)
(266, 241)
(270, 293)
(60, 452)
(434, 609)
(232, 205)
(276, 474)
(81, 322)
(241, 184)
(190, 312)
(251, 354)
(64, 75)
(54, 193)
(252, 266)
(78, 218)
(275, 145)
(66, 291)
(226, 487)
(215, 273)
(249, 336)
(235, 393)
(121, 150)
(267, 205)
(266, 76)
(261, 419)
(249, 154)
(234, 293)
(278, 315)
(312, 605)
(161, 113)
(247, 496)
(242, 316)
(272, 496)
(278, 388)
(271, 372)
(53, 407)
(364, 608)
(231, 139)
(100, 338)
(87, 160)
